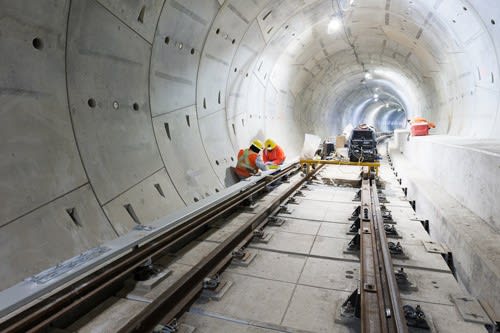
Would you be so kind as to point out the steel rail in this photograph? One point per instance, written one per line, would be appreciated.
(393, 289)
(170, 303)
(84, 293)
(381, 308)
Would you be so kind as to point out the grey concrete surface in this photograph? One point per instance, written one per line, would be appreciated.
(94, 97)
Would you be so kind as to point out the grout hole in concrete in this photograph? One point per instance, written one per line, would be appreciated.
(217, 31)
(135, 106)
(188, 121)
(37, 43)
(130, 210)
(167, 40)
(160, 190)
(167, 130)
(74, 216)
(140, 18)
(192, 51)
(92, 103)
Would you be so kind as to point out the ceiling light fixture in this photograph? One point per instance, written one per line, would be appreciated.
(334, 25)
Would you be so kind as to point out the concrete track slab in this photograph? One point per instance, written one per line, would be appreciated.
(419, 257)
(314, 309)
(333, 248)
(110, 316)
(178, 270)
(330, 274)
(433, 287)
(340, 212)
(298, 227)
(337, 230)
(223, 228)
(251, 298)
(287, 242)
(210, 324)
(274, 266)
(341, 172)
(309, 210)
(194, 252)
(446, 318)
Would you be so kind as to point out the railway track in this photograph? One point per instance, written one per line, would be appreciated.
(377, 300)
(80, 296)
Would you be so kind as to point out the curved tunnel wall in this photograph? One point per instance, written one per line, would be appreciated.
(117, 113)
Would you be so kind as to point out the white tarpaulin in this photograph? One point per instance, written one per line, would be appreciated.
(311, 144)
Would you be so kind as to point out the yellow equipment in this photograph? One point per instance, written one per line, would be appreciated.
(270, 144)
(257, 143)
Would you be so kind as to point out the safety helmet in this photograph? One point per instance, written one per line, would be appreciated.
(270, 144)
(257, 143)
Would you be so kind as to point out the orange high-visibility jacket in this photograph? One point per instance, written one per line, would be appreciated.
(417, 120)
(276, 156)
(246, 165)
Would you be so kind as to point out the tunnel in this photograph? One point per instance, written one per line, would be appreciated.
(118, 113)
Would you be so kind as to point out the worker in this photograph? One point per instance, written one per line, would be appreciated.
(249, 161)
(417, 120)
(273, 153)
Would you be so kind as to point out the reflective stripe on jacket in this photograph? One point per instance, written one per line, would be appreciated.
(276, 156)
(246, 165)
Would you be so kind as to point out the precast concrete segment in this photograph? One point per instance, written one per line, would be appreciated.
(121, 63)
(473, 242)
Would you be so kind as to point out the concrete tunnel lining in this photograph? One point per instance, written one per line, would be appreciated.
(102, 111)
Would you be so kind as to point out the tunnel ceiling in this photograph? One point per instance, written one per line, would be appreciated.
(117, 113)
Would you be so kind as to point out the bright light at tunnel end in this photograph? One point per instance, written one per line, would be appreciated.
(334, 25)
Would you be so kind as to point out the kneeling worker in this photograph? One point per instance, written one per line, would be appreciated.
(249, 160)
(273, 153)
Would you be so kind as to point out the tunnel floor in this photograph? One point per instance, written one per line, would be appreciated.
(297, 281)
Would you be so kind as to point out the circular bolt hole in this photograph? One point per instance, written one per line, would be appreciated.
(433, 282)
(235, 69)
(465, 8)
(246, 74)
(217, 31)
(348, 276)
(233, 41)
(349, 272)
(232, 158)
(135, 106)
(454, 21)
(196, 199)
(167, 40)
(92, 103)
(217, 162)
(37, 43)
(286, 26)
(493, 21)
(116, 105)
(192, 51)
(217, 190)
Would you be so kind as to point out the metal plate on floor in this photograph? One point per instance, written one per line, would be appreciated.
(470, 309)
(433, 247)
